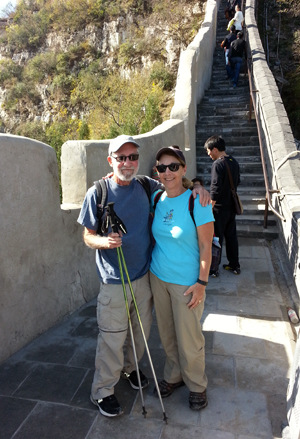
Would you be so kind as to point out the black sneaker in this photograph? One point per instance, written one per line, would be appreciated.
(235, 270)
(108, 406)
(214, 273)
(133, 379)
(198, 401)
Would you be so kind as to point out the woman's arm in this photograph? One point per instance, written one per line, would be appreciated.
(205, 236)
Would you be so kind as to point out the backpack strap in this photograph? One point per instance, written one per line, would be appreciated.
(101, 201)
(191, 208)
(157, 198)
(144, 181)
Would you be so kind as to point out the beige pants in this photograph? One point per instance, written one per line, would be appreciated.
(181, 335)
(114, 334)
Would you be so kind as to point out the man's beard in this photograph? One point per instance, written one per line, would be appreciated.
(125, 177)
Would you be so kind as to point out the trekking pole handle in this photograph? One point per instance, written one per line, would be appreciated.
(111, 213)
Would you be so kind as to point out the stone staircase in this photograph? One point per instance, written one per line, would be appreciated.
(224, 110)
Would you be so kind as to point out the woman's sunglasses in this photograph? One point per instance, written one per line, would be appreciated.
(172, 166)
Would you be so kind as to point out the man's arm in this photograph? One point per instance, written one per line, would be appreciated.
(96, 242)
(204, 196)
(216, 181)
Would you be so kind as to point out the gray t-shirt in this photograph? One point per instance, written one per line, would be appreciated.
(132, 207)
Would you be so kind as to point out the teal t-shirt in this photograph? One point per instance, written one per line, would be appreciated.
(175, 257)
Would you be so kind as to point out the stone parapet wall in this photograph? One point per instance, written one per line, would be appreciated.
(280, 150)
(46, 270)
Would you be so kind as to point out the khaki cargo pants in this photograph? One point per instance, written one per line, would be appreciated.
(181, 334)
(114, 351)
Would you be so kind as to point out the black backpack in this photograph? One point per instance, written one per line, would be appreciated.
(102, 197)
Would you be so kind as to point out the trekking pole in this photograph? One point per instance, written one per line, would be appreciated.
(144, 337)
(114, 227)
(120, 253)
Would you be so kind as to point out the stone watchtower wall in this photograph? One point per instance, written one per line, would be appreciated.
(281, 155)
(46, 272)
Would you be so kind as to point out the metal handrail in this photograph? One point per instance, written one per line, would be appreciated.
(269, 191)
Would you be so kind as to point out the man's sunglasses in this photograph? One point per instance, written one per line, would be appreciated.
(172, 166)
(123, 158)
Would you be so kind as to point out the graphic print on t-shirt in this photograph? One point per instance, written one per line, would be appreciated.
(169, 216)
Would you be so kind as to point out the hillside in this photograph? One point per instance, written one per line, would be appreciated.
(83, 69)
(279, 24)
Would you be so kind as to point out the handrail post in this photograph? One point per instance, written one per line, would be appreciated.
(266, 213)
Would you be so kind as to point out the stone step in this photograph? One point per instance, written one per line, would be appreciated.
(225, 100)
(258, 232)
(245, 168)
(241, 153)
(255, 209)
(226, 120)
(209, 109)
(247, 180)
(257, 220)
(234, 92)
(229, 139)
(204, 159)
(233, 131)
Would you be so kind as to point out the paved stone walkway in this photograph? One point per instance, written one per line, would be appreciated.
(45, 387)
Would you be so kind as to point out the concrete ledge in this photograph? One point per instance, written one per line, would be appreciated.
(83, 162)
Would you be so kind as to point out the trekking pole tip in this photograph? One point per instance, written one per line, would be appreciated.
(144, 412)
(165, 418)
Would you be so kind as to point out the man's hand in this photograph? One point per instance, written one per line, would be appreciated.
(114, 240)
(204, 197)
(96, 242)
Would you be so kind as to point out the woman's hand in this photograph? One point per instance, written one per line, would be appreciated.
(197, 291)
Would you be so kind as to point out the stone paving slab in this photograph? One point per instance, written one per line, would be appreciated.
(45, 387)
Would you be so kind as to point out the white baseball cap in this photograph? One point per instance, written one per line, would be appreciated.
(119, 141)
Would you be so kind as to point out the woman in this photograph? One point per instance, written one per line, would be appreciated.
(179, 272)
(238, 18)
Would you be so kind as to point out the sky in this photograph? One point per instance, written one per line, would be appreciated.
(3, 3)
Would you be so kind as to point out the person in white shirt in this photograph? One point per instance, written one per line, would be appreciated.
(238, 18)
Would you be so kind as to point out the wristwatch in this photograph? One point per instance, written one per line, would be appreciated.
(202, 282)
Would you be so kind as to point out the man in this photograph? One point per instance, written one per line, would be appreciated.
(235, 57)
(226, 46)
(222, 202)
(132, 207)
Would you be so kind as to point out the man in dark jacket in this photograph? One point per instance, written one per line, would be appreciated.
(235, 56)
(226, 46)
(222, 201)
